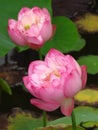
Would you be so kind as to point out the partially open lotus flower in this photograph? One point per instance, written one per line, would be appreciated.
(33, 27)
(55, 81)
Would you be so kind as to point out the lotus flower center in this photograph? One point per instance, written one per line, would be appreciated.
(56, 73)
(27, 27)
(28, 20)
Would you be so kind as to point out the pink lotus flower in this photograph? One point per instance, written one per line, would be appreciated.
(55, 81)
(32, 29)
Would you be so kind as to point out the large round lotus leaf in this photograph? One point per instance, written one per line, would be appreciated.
(60, 127)
(87, 97)
(88, 23)
(66, 38)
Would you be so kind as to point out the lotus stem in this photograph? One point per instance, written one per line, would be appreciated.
(44, 119)
(73, 121)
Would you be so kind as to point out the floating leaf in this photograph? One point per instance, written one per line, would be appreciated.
(88, 23)
(87, 97)
(23, 121)
(90, 124)
(91, 61)
(66, 37)
(82, 114)
(5, 86)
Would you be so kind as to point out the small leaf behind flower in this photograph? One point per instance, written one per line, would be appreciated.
(91, 61)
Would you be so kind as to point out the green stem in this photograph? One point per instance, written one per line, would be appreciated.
(44, 119)
(73, 121)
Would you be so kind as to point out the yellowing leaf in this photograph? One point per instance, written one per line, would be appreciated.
(87, 97)
(88, 23)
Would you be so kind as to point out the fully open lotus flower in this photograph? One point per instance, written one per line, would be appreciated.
(33, 27)
(55, 81)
